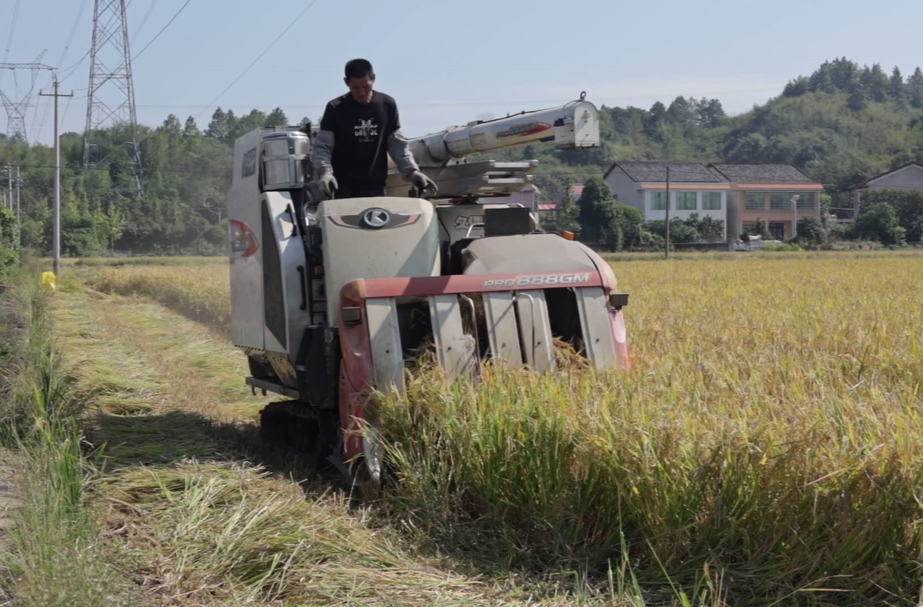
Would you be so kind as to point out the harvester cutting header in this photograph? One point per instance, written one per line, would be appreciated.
(329, 297)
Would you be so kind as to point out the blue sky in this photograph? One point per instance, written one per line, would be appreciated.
(450, 62)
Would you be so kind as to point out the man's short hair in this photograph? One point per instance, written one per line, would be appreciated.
(359, 68)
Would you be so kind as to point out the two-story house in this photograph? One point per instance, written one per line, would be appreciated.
(766, 191)
(693, 189)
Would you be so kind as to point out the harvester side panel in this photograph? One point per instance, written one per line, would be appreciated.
(287, 276)
(246, 246)
(535, 330)
(454, 348)
(502, 329)
(595, 321)
(385, 343)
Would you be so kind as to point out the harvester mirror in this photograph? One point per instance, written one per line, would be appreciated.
(618, 300)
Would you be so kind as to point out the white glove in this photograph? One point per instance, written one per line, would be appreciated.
(328, 184)
(423, 182)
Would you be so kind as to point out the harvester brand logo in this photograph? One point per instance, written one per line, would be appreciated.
(366, 131)
(248, 166)
(462, 222)
(523, 130)
(538, 280)
(376, 218)
(241, 239)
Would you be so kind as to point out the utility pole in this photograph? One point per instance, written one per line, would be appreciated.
(18, 208)
(57, 177)
(795, 216)
(666, 247)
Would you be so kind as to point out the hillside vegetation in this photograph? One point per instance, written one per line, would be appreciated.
(840, 124)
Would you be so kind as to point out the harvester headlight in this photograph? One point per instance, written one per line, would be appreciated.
(351, 315)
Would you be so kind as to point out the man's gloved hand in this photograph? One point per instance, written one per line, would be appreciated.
(328, 184)
(423, 183)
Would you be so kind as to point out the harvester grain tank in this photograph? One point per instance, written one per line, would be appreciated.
(329, 298)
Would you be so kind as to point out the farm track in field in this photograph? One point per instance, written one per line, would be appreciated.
(194, 519)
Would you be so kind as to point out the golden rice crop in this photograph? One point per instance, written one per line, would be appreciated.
(199, 292)
(770, 429)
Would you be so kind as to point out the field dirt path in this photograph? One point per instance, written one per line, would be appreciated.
(197, 513)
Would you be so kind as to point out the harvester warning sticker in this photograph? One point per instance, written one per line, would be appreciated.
(538, 280)
(523, 130)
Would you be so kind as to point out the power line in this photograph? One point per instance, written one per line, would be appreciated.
(150, 9)
(138, 54)
(9, 38)
(73, 31)
(279, 37)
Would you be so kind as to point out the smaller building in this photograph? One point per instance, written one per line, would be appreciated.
(693, 189)
(907, 177)
(767, 192)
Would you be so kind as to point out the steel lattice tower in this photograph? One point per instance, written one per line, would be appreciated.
(17, 107)
(111, 94)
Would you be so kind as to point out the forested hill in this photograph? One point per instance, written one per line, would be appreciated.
(840, 124)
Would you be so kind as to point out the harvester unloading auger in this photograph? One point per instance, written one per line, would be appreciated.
(328, 299)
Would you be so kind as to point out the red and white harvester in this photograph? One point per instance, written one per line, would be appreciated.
(328, 299)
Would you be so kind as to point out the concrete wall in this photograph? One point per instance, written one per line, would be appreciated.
(733, 218)
(625, 189)
(908, 177)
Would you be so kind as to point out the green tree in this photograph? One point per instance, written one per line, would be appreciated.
(811, 231)
(896, 85)
(191, 129)
(915, 88)
(171, 125)
(857, 100)
(879, 222)
(595, 209)
(276, 118)
(222, 125)
(568, 213)
(9, 247)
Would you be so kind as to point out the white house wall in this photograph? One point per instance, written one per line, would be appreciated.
(651, 215)
(625, 189)
(910, 177)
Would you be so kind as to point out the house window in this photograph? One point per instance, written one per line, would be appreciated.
(755, 201)
(806, 201)
(685, 201)
(711, 201)
(658, 201)
(780, 201)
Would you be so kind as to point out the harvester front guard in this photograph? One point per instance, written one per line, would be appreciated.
(514, 312)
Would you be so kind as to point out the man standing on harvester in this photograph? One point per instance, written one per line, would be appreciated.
(357, 131)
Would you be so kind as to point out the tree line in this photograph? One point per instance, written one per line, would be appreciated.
(841, 124)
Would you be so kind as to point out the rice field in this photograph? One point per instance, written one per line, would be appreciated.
(767, 446)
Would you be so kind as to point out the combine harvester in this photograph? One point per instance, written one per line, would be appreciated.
(328, 299)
